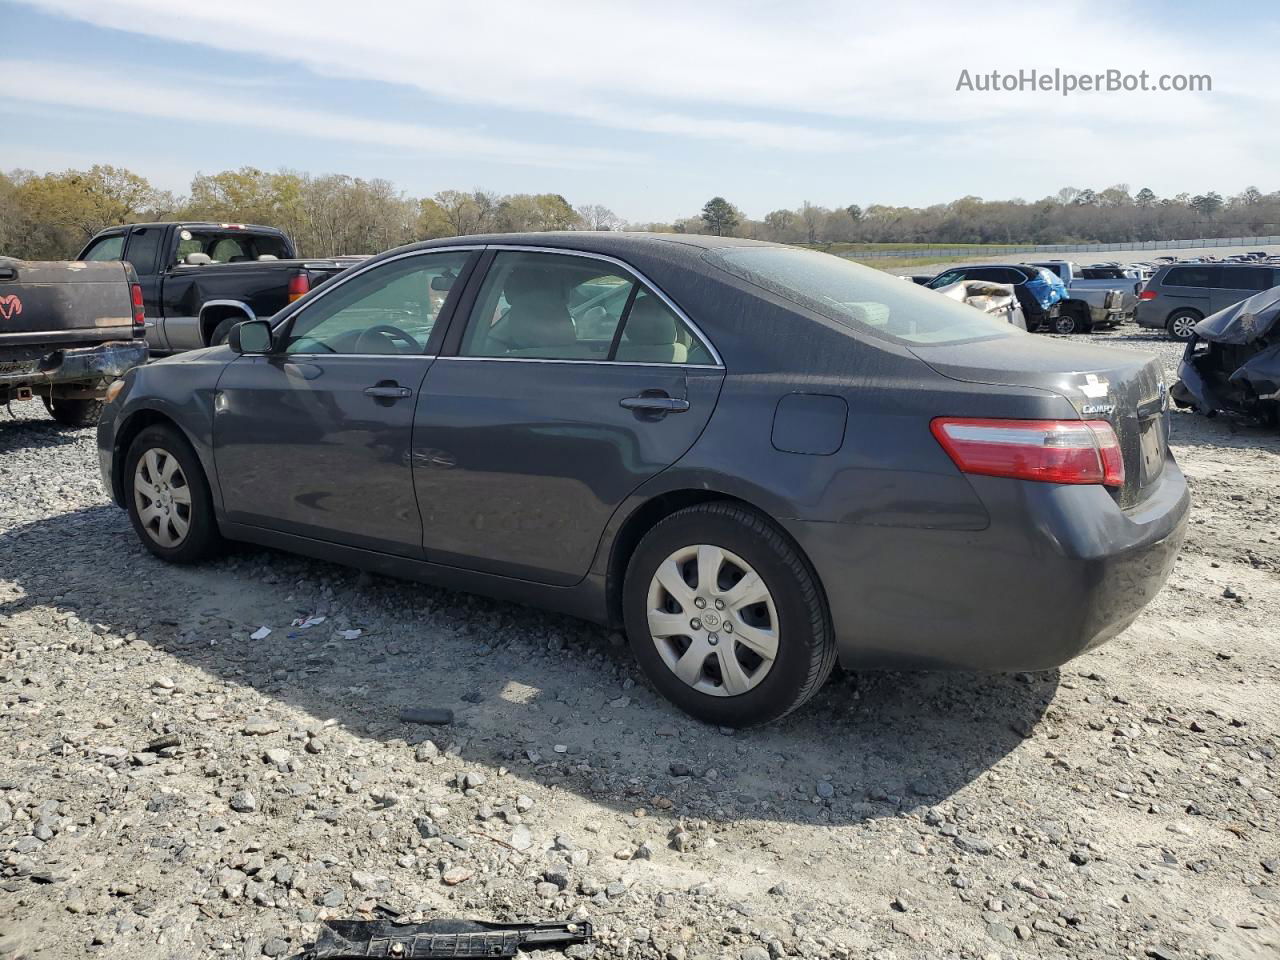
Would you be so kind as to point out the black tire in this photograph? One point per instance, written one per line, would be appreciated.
(74, 413)
(1173, 326)
(223, 330)
(806, 647)
(202, 538)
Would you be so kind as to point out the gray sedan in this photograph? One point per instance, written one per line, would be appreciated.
(758, 459)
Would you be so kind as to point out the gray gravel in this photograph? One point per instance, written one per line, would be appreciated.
(171, 788)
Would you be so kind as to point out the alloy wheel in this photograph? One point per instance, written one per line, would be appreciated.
(163, 497)
(1182, 327)
(713, 620)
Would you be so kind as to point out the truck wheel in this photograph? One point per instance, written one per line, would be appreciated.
(74, 413)
(168, 497)
(1066, 323)
(223, 330)
(725, 617)
(1182, 324)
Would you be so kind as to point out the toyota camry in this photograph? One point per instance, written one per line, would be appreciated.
(757, 459)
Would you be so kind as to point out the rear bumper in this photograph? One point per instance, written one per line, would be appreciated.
(1058, 571)
(39, 367)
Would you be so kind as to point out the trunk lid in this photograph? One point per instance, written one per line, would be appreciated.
(1125, 389)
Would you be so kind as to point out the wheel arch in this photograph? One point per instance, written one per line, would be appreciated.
(213, 312)
(133, 425)
(658, 507)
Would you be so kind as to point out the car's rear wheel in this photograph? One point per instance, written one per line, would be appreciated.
(168, 497)
(725, 616)
(74, 413)
(1182, 323)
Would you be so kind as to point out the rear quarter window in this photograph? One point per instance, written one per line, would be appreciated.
(858, 297)
(1187, 277)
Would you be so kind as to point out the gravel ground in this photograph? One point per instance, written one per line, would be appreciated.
(170, 787)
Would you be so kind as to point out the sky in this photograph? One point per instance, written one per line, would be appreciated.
(649, 108)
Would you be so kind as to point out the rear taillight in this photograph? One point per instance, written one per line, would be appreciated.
(1147, 295)
(299, 286)
(139, 314)
(1050, 451)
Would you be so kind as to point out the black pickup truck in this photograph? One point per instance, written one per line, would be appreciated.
(66, 331)
(201, 279)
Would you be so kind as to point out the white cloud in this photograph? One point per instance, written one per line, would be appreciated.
(830, 85)
(171, 97)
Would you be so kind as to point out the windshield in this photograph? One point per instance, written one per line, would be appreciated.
(859, 297)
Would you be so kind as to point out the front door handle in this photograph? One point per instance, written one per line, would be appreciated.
(388, 391)
(654, 404)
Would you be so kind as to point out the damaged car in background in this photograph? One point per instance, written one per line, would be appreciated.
(1232, 362)
(67, 329)
(994, 299)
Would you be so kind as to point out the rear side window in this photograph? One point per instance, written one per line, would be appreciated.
(1245, 278)
(859, 297)
(1187, 277)
(551, 306)
(106, 248)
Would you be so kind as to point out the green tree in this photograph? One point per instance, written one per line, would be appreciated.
(720, 216)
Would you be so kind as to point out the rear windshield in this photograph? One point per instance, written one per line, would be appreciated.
(859, 297)
(229, 246)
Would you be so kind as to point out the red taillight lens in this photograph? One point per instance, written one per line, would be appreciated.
(139, 315)
(299, 286)
(1050, 451)
(1147, 295)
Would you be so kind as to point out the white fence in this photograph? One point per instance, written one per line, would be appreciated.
(997, 251)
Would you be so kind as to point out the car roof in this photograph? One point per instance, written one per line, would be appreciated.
(212, 224)
(592, 241)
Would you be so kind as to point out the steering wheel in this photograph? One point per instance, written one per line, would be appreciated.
(390, 333)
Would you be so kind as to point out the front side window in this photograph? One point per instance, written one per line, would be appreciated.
(106, 248)
(554, 306)
(859, 297)
(390, 309)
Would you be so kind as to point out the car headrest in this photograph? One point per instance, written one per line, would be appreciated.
(525, 283)
(197, 258)
(267, 256)
(650, 322)
(531, 325)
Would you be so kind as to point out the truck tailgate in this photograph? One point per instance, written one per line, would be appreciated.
(63, 301)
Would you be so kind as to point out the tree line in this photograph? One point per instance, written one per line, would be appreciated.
(1072, 215)
(50, 216)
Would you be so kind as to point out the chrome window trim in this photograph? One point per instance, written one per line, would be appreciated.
(649, 284)
(605, 363)
(357, 356)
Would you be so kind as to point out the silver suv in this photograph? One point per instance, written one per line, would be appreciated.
(1180, 295)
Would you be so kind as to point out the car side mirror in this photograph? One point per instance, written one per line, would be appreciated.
(250, 337)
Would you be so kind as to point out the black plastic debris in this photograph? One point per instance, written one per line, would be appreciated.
(349, 939)
(431, 716)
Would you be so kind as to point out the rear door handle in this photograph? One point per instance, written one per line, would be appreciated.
(388, 391)
(655, 404)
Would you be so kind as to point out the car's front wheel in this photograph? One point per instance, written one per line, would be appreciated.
(725, 616)
(168, 497)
